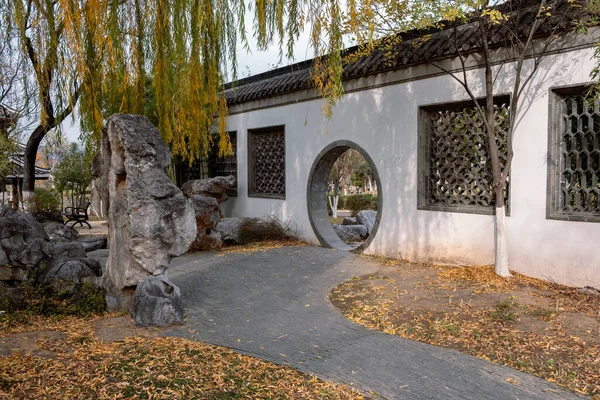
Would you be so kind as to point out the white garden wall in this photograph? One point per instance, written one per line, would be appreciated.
(384, 121)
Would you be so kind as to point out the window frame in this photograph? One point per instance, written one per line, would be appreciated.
(423, 158)
(215, 160)
(251, 134)
(554, 160)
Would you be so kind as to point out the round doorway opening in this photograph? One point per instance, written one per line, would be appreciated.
(344, 197)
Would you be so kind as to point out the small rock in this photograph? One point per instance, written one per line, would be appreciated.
(213, 187)
(367, 218)
(229, 229)
(350, 221)
(93, 244)
(351, 233)
(65, 274)
(157, 302)
(58, 232)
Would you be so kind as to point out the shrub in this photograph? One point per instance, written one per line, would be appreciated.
(359, 202)
(45, 205)
(267, 228)
(85, 299)
(45, 200)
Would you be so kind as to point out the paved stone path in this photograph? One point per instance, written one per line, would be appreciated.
(274, 305)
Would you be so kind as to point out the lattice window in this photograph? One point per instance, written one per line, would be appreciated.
(266, 172)
(574, 175)
(455, 170)
(225, 166)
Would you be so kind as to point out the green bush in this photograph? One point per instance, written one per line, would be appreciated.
(45, 201)
(359, 202)
(44, 205)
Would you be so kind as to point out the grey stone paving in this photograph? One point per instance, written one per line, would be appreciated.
(274, 305)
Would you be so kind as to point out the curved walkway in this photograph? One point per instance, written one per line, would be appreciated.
(274, 305)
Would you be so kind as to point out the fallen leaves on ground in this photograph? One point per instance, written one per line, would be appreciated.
(538, 327)
(262, 246)
(161, 368)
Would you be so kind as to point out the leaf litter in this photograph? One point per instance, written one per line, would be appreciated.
(538, 327)
(78, 365)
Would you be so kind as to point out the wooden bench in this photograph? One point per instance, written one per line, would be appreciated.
(77, 215)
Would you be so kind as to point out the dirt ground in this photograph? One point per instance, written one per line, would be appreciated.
(49, 343)
(538, 327)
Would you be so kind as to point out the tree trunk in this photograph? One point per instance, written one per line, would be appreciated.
(29, 161)
(501, 244)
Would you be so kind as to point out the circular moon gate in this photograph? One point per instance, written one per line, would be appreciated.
(316, 196)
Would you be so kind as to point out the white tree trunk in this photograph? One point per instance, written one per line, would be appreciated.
(26, 200)
(501, 245)
(333, 204)
(370, 184)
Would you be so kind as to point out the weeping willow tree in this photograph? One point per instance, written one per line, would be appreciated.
(166, 59)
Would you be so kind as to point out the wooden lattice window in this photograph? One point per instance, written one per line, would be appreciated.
(455, 172)
(225, 166)
(574, 156)
(266, 163)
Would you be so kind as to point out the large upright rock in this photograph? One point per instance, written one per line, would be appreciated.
(212, 187)
(150, 221)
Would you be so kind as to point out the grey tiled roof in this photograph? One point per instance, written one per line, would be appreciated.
(439, 44)
(18, 168)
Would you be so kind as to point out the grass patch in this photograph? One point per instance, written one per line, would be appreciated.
(504, 312)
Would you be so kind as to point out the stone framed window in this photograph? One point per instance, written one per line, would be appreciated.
(266, 162)
(574, 155)
(225, 166)
(455, 173)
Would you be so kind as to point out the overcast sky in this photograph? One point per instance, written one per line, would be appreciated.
(254, 63)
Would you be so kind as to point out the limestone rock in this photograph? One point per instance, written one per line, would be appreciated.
(23, 240)
(212, 187)
(229, 229)
(93, 244)
(351, 233)
(207, 211)
(350, 221)
(208, 216)
(18, 222)
(65, 250)
(367, 218)
(208, 241)
(157, 302)
(58, 232)
(65, 274)
(3, 257)
(150, 220)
